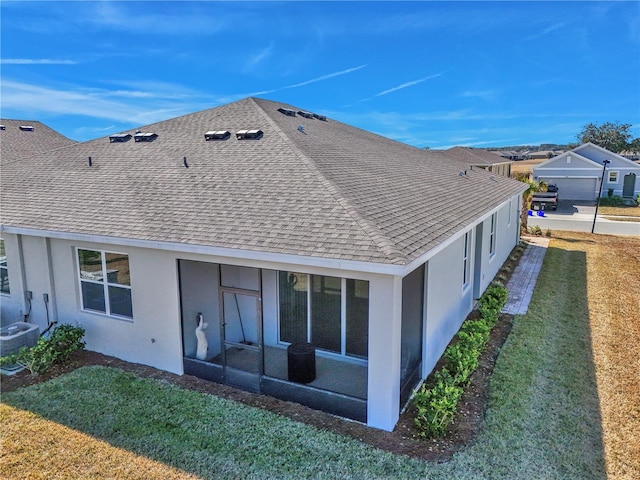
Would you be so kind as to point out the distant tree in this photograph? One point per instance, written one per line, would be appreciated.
(612, 136)
(635, 145)
(426, 148)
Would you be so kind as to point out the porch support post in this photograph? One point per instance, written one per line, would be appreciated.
(385, 315)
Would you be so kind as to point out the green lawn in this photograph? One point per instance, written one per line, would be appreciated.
(543, 420)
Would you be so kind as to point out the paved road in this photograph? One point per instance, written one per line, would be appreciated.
(578, 217)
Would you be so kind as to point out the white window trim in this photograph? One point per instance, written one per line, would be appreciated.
(492, 235)
(105, 285)
(466, 261)
(617, 174)
(6, 269)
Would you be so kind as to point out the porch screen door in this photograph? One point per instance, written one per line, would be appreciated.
(242, 356)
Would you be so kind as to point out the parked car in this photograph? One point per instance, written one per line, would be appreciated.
(546, 200)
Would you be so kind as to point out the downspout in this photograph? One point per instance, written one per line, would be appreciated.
(26, 295)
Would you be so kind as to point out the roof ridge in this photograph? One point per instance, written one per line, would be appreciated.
(385, 245)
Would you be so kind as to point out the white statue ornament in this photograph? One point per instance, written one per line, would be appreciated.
(203, 344)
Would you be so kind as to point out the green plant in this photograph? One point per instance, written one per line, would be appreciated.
(463, 360)
(612, 201)
(437, 405)
(64, 340)
(436, 402)
(534, 230)
(547, 233)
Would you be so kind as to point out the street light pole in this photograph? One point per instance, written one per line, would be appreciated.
(604, 168)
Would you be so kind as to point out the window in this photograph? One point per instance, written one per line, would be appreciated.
(466, 264)
(4, 271)
(613, 177)
(330, 312)
(105, 282)
(492, 235)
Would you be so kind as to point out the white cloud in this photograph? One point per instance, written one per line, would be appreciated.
(484, 94)
(37, 61)
(395, 89)
(407, 84)
(90, 102)
(326, 77)
(258, 59)
(546, 31)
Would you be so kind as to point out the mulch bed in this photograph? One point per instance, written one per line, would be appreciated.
(402, 440)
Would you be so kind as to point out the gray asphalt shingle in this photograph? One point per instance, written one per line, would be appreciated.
(331, 191)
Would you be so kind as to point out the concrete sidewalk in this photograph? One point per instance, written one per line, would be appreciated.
(524, 277)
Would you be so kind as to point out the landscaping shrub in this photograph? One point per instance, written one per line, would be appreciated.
(436, 401)
(63, 341)
(612, 201)
(437, 405)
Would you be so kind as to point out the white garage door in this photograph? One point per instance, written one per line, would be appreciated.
(575, 188)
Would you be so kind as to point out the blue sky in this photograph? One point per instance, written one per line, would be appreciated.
(435, 74)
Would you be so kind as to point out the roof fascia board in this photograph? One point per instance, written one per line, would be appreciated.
(564, 155)
(321, 262)
(608, 152)
(589, 169)
(551, 175)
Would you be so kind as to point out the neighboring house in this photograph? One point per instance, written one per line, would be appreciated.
(477, 157)
(274, 226)
(541, 154)
(509, 154)
(578, 173)
(20, 139)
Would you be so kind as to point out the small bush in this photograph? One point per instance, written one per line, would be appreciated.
(534, 230)
(612, 201)
(64, 340)
(437, 405)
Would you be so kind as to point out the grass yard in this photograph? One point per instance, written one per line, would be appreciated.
(564, 403)
(619, 211)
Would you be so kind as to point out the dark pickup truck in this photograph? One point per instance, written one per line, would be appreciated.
(545, 200)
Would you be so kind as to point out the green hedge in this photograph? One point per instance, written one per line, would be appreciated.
(436, 402)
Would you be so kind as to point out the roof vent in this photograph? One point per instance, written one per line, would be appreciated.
(287, 111)
(320, 117)
(305, 114)
(26, 128)
(249, 134)
(120, 137)
(145, 137)
(2, 127)
(217, 135)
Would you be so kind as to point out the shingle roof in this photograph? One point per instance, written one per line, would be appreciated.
(474, 156)
(331, 190)
(18, 143)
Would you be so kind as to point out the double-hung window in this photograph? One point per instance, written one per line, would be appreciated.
(4, 270)
(330, 312)
(105, 282)
(613, 176)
